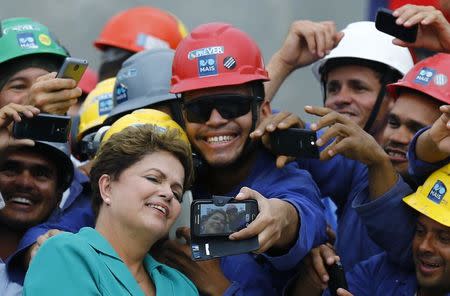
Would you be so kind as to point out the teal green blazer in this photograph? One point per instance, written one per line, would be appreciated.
(86, 264)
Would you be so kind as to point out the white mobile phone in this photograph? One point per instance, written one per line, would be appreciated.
(2, 201)
(185, 215)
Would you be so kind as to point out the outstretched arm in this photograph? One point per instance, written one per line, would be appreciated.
(305, 43)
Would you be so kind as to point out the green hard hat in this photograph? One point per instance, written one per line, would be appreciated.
(23, 36)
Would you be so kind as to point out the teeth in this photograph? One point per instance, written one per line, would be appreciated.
(162, 209)
(396, 154)
(432, 265)
(21, 200)
(219, 139)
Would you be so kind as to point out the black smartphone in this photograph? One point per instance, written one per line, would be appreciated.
(73, 68)
(385, 22)
(208, 219)
(337, 278)
(43, 127)
(294, 142)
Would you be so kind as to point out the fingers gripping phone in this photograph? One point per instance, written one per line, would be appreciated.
(385, 22)
(209, 219)
(73, 68)
(43, 127)
(294, 142)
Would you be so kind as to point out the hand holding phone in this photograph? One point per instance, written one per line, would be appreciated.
(294, 142)
(73, 68)
(386, 22)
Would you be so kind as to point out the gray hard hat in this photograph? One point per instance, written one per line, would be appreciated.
(143, 80)
(59, 154)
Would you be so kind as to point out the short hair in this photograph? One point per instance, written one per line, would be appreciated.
(131, 145)
(213, 212)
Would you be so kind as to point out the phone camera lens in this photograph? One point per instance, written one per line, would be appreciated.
(76, 67)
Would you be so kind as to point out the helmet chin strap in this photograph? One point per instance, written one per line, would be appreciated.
(387, 78)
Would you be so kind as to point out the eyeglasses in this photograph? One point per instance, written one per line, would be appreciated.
(228, 105)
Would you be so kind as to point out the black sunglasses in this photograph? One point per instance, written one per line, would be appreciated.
(228, 105)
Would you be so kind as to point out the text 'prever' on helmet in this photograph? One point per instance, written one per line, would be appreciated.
(216, 54)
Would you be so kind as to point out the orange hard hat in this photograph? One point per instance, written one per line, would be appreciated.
(141, 28)
(88, 81)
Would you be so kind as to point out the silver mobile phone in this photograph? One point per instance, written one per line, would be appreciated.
(73, 68)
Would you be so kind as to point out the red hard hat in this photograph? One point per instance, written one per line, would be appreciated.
(88, 81)
(142, 28)
(216, 54)
(429, 76)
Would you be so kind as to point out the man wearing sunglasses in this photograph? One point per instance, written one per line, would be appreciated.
(218, 73)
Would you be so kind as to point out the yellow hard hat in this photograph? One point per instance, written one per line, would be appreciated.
(161, 120)
(433, 198)
(96, 107)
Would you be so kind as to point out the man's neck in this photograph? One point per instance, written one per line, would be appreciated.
(9, 241)
(224, 179)
(430, 292)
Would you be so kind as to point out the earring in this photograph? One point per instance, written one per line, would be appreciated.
(107, 201)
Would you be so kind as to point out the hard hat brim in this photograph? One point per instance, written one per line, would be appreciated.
(428, 208)
(214, 81)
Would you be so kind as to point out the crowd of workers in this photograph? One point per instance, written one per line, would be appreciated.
(172, 112)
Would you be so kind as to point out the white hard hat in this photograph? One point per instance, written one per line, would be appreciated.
(363, 41)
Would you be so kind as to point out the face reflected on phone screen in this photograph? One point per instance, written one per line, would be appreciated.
(215, 220)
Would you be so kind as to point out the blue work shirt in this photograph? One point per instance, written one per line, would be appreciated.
(378, 276)
(252, 274)
(74, 214)
(417, 168)
(343, 179)
(395, 234)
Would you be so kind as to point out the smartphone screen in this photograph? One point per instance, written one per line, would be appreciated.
(385, 22)
(213, 220)
(294, 142)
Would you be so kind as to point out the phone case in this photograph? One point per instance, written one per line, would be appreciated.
(73, 68)
(205, 248)
(337, 278)
(43, 127)
(385, 22)
(294, 142)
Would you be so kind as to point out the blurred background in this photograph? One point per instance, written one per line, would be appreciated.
(77, 23)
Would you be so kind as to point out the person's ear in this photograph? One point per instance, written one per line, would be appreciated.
(104, 186)
(265, 110)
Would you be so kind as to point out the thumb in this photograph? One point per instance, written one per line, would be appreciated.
(247, 193)
(21, 142)
(401, 43)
